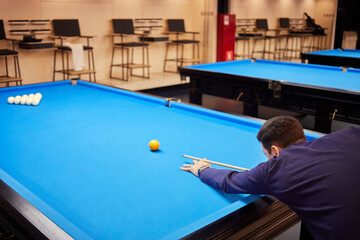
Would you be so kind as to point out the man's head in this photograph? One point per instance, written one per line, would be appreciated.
(278, 133)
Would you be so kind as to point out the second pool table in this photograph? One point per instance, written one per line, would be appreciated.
(323, 91)
(334, 57)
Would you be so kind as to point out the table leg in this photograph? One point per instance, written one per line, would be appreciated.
(304, 233)
(250, 104)
(322, 119)
(195, 95)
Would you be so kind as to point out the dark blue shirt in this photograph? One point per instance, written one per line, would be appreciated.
(319, 180)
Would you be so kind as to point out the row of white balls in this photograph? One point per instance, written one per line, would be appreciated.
(31, 99)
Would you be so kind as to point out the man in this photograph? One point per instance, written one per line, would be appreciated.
(319, 180)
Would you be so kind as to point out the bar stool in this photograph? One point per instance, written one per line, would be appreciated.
(262, 25)
(284, 24)
(308, 41)
(319, 42)
(70, 28)
(177, 27)
(318, 34)
(9, 53)
(123, 28)
(245, 42)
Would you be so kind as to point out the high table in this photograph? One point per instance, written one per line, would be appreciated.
(335, 57)
(78, 166)
(324, 91)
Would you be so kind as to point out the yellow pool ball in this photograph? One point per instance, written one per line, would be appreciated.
(154, 145)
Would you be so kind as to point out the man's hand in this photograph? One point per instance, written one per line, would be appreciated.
(195, 167)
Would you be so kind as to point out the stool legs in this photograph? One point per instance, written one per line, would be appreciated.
(16, 67)
(65, 65)
(245, 48)
(166, 53)
(266, 51)
(179, 55)
(6, 67)
(127, 64)
(320, 42)
(17, 74)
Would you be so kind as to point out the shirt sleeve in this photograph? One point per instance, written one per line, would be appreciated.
(251, 181)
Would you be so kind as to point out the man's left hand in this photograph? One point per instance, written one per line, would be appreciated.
(195, 167)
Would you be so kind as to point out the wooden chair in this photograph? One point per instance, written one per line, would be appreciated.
(177, 27)
(65, 29)
(124, 28)
(6, 53)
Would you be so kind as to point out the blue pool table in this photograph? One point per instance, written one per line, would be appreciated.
(78, 166)
(335, 57)
(326, 92)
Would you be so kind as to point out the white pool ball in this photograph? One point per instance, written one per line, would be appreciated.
(35, 102)
(31, 95)
(24, 99)
(17, 99)
(11, 100)
(29, 101)
(38, 95)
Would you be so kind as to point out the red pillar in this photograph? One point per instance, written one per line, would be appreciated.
(225, 37)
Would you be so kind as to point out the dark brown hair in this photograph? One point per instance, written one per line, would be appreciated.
(281, 131)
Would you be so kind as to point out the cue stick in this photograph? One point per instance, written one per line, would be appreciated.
(216, 163)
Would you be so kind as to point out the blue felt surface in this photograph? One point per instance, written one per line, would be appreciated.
(338, 53)
(308, 74)
(82, 158)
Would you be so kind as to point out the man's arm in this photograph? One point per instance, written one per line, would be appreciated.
(251, 181)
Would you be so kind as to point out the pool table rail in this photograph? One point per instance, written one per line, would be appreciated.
(264, 218)
(24, 220)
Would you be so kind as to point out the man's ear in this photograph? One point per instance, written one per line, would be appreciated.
(275, 150)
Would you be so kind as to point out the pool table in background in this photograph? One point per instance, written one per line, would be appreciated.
(323, 91)
(79, 166)
(335, 57)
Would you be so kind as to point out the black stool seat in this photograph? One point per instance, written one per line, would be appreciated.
(7, 52)
(69, 49)
(250, 34)
(271, 37)
(132, 44)
(186, 41)
(242, 38)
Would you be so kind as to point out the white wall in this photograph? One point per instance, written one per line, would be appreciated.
(325, 15)
(273, 9)
(95, 19)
